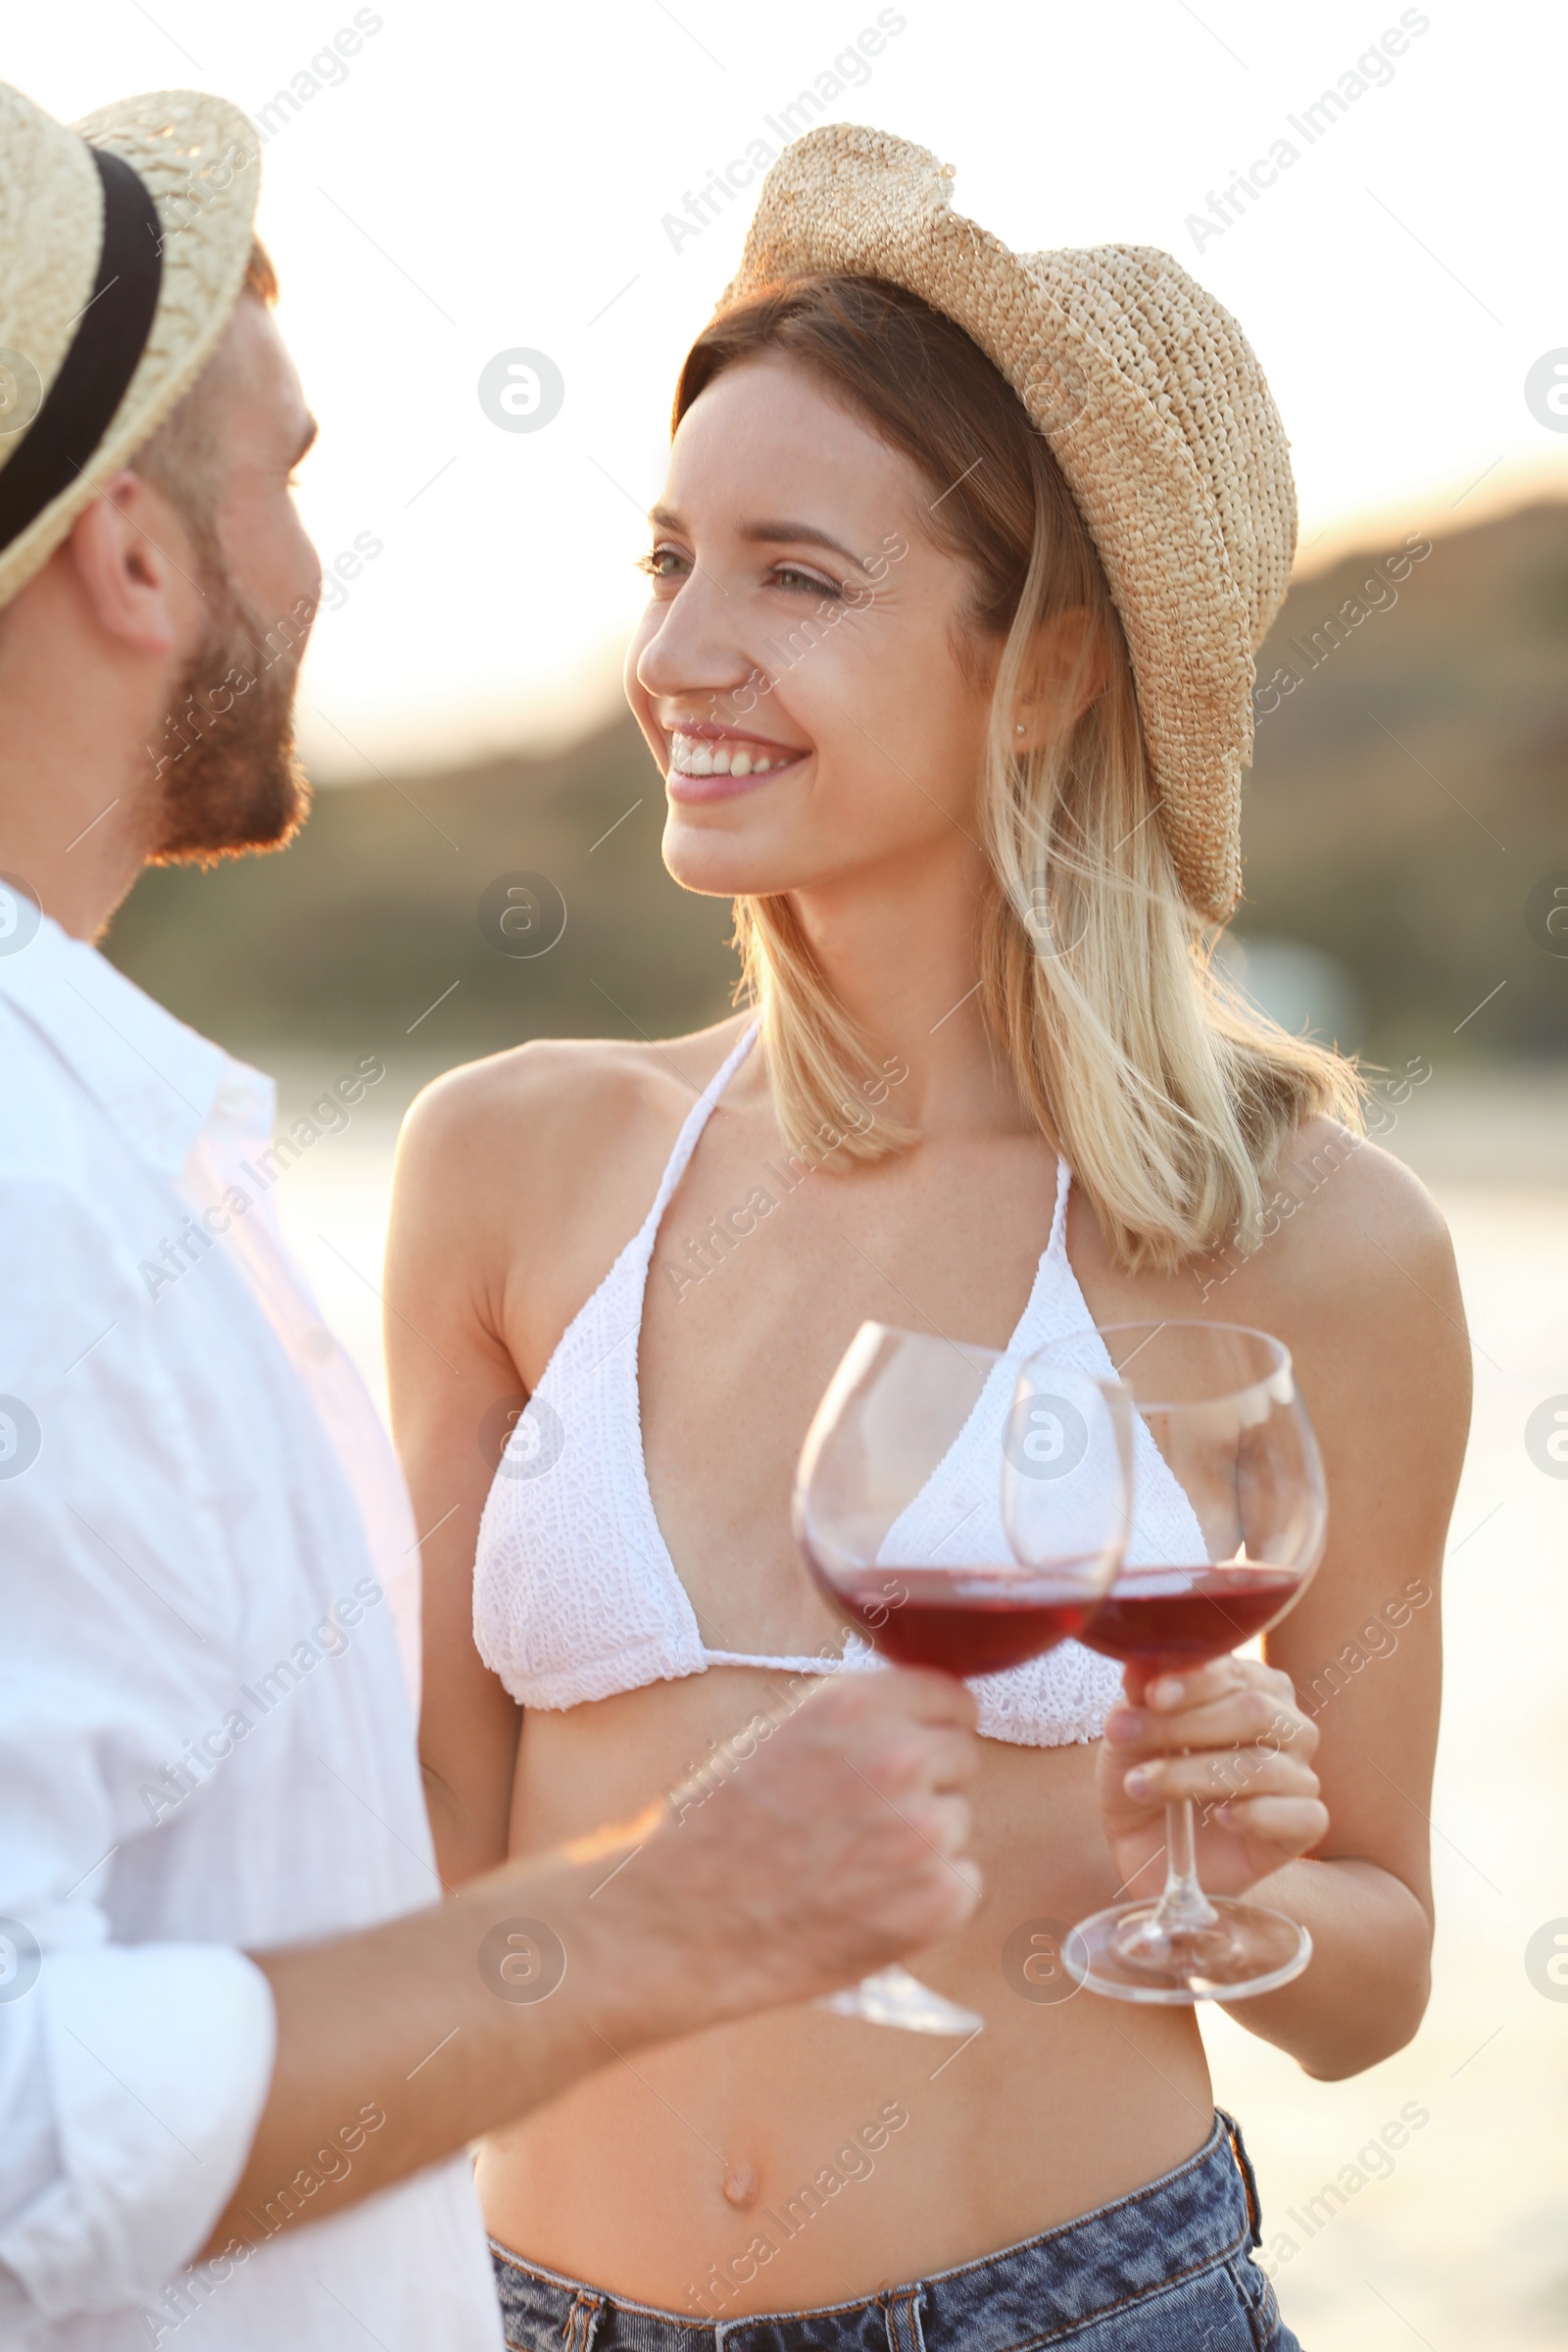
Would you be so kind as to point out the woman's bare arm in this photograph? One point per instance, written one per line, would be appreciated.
(450, 1378)
(1359, 1281)
(1382, 1358)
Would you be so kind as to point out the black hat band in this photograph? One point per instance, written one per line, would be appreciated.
(105, 351)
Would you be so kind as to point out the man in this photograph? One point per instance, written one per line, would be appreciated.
(206, 1750)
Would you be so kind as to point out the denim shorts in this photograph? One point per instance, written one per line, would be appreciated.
(1168, 2268)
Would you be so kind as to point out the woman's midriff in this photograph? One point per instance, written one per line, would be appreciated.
(802, 2157)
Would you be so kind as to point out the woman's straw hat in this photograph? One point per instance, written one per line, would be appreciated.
(123, 245)
(1157, 410)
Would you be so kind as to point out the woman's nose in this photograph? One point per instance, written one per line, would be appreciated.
(696, 646)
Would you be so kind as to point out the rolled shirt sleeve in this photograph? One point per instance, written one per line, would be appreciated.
(134, 2076)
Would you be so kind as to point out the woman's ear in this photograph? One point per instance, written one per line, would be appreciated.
(1067, 668)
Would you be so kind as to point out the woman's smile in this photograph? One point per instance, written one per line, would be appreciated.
(708, 761)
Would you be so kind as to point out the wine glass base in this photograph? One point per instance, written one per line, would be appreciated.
(892, 1997)
(1125, 1953)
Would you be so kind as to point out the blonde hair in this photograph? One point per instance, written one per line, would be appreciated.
(1170, 1096)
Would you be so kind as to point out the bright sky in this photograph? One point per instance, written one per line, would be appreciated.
(480, 178)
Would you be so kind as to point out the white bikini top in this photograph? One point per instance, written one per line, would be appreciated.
(575, 1595)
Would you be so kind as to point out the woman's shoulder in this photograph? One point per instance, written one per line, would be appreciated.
(1355, 1261)
(550, 1118)
(1344, 1201)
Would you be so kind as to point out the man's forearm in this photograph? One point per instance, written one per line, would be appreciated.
(397, 2046)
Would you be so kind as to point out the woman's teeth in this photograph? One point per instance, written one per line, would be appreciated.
(693, 755)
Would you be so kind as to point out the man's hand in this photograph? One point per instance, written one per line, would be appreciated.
(836, 1841)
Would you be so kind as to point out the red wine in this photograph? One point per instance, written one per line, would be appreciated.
(1159, 1618)
(962, 1619)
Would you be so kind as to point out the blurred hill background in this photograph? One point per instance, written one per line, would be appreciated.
(1410, 788)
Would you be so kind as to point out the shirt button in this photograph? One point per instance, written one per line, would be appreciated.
(233, 1100)
(317, 1343)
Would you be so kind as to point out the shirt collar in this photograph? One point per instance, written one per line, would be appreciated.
(155, 1078)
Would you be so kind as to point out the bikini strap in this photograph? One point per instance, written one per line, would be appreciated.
(1056, 1247)
(697, 1118)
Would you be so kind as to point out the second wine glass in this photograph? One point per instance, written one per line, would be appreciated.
(1229, 1513)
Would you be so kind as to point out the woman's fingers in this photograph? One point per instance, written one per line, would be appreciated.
(1190, 1687)
(1231, 1737)
(1292, 1824)
(1220, 1776)
(1241, 1719)
(1235, 1704)
(1197, 1685)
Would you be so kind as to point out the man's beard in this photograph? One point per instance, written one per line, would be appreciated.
(232, 776)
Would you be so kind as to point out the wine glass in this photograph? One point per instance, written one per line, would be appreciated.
(1228, 1514)
(921, 1563)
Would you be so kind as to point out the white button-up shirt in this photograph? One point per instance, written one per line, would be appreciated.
(206, 1742)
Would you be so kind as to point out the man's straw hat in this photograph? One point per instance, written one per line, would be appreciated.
(1158, 416)
(124, 244)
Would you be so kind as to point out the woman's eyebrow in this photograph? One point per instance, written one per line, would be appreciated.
(770, 532)
(797, 533)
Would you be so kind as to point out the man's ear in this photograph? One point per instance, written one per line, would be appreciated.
(1068, 668)
(134, 565)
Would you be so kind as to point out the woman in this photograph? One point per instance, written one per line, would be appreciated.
(954, 588)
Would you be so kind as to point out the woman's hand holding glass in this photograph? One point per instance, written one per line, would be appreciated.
(1232, 1735)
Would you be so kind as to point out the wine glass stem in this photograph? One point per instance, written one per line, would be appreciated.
(1183, 1905)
